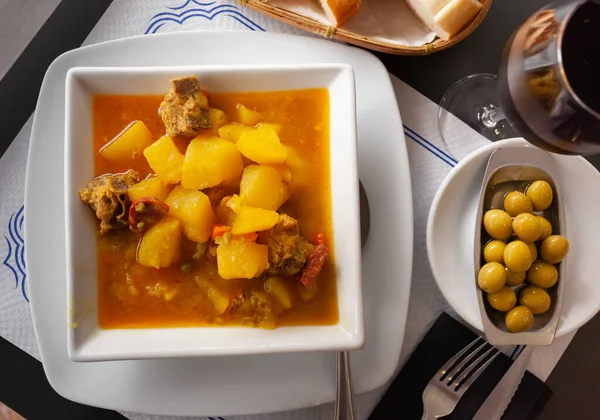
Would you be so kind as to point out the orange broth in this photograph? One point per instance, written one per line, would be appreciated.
(132, 296)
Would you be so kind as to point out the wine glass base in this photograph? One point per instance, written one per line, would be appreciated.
(474, 101)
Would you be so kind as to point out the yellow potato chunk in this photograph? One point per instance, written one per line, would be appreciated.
(128, 143)
(210, 161)
(165, 159)
(159, 246)
(242, 260)
(233, 131)
(194, 211)
(298, 167)
(263, 187)
(279, 288)
(253, 219)
(275, 127)
(247, 116)
(262, 146)
(228, 209)
(284, 170)
(306, 294)
(218, 298)
(235, 203)
(217, 118)
(151, 187)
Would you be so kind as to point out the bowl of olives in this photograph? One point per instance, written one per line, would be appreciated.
(520, 247)
(456, 240)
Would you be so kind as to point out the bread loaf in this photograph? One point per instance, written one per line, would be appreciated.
(339, 11)
(445, 17)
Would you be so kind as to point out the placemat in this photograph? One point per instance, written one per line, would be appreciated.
(443, 340)
(428, 160)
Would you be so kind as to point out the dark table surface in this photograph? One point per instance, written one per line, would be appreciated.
(574, 379)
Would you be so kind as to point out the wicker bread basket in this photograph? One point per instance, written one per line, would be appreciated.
(340, 34)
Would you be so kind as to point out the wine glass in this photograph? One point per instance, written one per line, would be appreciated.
(547, 89)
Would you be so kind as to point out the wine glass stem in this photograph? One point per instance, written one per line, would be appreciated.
(491, 116)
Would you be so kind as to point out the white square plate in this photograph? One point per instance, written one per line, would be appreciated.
(233, 385)
(89, 342)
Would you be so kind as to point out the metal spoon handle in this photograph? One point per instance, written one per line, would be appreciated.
(344, 404)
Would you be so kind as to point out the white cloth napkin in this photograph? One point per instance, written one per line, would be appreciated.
(429, 165)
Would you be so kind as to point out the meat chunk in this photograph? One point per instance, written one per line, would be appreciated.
(288, 251)
(217, 193)
(107, 196)
(314, 265)
(145, 213)
(185, 110)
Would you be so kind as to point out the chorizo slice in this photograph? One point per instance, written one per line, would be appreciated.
(314, 265)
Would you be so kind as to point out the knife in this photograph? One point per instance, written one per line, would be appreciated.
(498, 400)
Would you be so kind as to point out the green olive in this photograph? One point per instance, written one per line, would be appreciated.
(536, 299)
(554, 248)
(533, 250)
(517, 256)
(540, 194)
(494, 251)
(527, 227)
(491, 277)
(519, 319)
(514, 279)
(516, 203)
(546, 227)
(503, 300)
(542, 274)
(498, 224)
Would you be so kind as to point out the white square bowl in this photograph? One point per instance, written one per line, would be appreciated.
(86, 340)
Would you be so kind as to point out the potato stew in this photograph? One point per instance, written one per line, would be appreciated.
(213, 209)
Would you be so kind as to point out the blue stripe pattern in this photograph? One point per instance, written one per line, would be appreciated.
(15, 258)
(183, 6)
(430, 147)
(204, 11)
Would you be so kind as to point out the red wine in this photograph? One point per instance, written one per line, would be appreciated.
(549, 79)
(581, 54)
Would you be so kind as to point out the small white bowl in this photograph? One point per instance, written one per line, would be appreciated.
(89, 342)
(451, 234)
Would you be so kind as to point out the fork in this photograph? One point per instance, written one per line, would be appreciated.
(453, 379)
